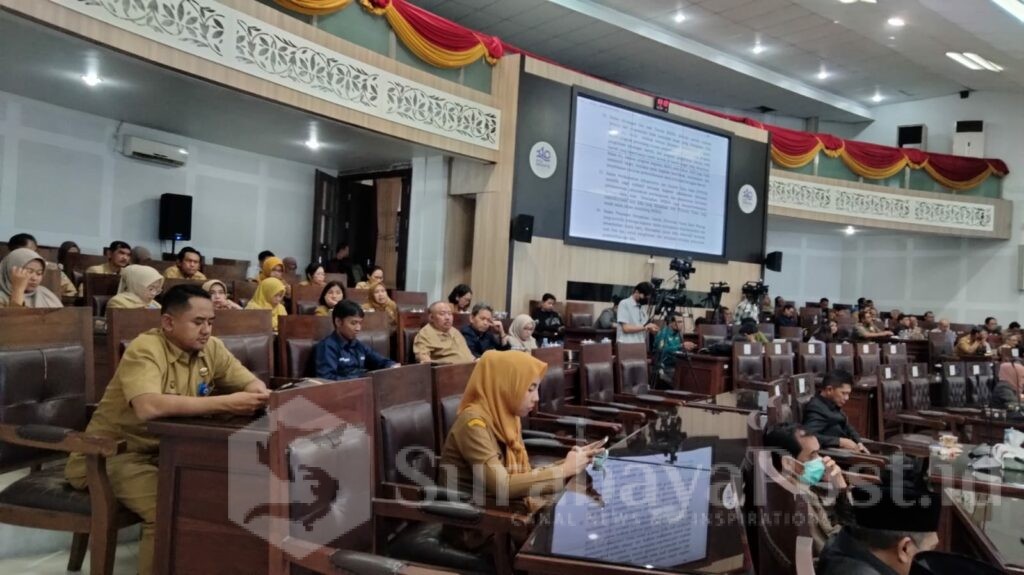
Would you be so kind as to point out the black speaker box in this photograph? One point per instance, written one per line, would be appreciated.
(175, 217)
(522, 228)
(773, 261)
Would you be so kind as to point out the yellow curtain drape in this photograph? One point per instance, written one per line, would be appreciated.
(795, 161)
(873, 173)
(955, 185)
(314, 7)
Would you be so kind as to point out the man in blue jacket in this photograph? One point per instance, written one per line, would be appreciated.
(342, 356)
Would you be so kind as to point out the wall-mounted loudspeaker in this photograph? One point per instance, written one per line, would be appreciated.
(175, 217)
(773, 261)
(522, 228)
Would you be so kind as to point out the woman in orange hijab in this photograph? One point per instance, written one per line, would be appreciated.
(485, 443)
(380, 302)
(1009, 390)
(272, 267)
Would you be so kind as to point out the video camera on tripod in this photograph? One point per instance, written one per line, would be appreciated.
(668, 299)
(755, 290)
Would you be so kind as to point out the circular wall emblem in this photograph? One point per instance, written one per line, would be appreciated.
(747, 198)
(543, 160)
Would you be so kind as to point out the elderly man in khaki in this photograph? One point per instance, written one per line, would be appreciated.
(437, 342)
(187, 266)
(178, 369)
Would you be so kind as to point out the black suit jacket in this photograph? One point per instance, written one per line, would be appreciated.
(825, 420)
(844, 555)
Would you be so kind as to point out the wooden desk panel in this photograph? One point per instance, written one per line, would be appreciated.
(710, 374)
(861, 410)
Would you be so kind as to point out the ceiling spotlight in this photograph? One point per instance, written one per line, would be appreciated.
(896, 22)
(312, 143)
(963, 61)
(183, 151)
(1014, 7)
(990, 66)
(613, 132)
(679, 17)
(758, 48)
(92, 80)
(850, 230)
(823, 74)
(877, 98)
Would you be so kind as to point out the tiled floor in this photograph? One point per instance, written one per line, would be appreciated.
(56, 563)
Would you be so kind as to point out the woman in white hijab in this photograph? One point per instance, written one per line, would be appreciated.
(139, 285)
(520, 333)
(21, 276)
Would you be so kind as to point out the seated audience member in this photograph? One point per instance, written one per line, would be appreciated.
(894, 317)
(272, 267)
(67, 287)
(867, 330)
(67, 274)
(21, 276)
(991, 326)
(606, 320)
(461, 298)
(727, 318)
(824, 417)
(547, 323)
(269, 295)
(219, 295)
(138, 286)
(862, 302)
(787, 317)
(169, 371)
(186, 266)
(341, 355)
(520, 334)
(376, 276)
(887, 528)
(485, 443)
(973, 344)
(779, 303)
(141, 256)
(1011, 341)
(437, 342)
(1013, 326)
(341, 263)
(827, 332)
(929, 317)
(668, 342)
(315, 275)
(950, 335)
(795, 455)
(906, 326)
(262, 257)
(749, 332)
(119, 255)
(484, 333)
(632, 323)
(291, 267)
(379, 302)
(332, 293)
(1008, 392)
(823, 304)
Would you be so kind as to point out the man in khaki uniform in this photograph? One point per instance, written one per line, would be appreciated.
(173, 370)
(438, 342)
(187, 266)
(119, 255)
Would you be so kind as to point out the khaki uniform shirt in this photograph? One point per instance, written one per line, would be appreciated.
(322, 311)
(152, 364)
(442, 347)
(67, 288)
(472, 446)
(174, 273)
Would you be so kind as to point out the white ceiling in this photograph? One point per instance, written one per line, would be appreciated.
(707, 58)
(42, 64)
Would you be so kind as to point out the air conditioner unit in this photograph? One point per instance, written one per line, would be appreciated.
(969, 139)
(915, 136)
(156, 152)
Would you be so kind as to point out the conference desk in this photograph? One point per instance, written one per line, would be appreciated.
(200, 503)
(703, 373)
(663, 502)
(985, 527)
(955, 472)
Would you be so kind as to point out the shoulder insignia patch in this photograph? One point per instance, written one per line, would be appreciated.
(476, 422)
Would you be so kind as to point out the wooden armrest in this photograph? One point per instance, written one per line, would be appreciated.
(481, 519)
(964, 410)
(603, 413)
(881, 448)
(861, 479)
(54, 438)
(847, 458)
(916, 420)
(572, 425)
(680, 394)
(648, 400)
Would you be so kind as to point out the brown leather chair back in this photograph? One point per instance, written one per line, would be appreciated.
(747, 361)
(597, 375)
(918, 391)
(779, 359)
(768, 329)
(794, 335)
(939, 345)
(226, 273)
(552, 386)
(296, 337)
(801, 390)
(779, 410)
(123, 325)
(840, 356)
(171, 282)
(811, 358)
(953, 390)
(708, 334)
(360, 296)
(242, 290)
(46, 368)
(981, 378)
(890, 395)
(894, 354)
(409, 324)
(866, 361)
(305, 299)
(97, 285)
(449, 383)
(631, 365)
(403, 401)
(249, 336)
(460, 320)
(778, 498)
(416, 299)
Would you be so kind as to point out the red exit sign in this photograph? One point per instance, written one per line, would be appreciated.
(661, 104)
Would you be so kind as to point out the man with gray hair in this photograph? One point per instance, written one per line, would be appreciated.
(437, 342)
(483, 332)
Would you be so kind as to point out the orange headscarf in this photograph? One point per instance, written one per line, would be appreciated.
(389, 307)
(268, 266)
(496, 389)
(1012, 373)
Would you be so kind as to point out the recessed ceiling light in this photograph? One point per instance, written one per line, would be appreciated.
(897, 22)
(990, 66)
(963, 61)
(823, 74)
(1014, 7)
(758, 48)
(183, 151)
(892, 37)
(613, 132)
(877, 97)
(312, 143)
(850, 230)
(92, 80)
(679, 17)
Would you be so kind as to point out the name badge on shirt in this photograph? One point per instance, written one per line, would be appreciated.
(205, 389)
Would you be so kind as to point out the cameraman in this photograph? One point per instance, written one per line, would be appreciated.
(749, 307)
(632, 325)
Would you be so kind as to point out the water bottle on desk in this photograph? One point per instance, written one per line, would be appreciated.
(544, 343)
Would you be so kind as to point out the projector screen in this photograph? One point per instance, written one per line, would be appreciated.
(640, 182)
